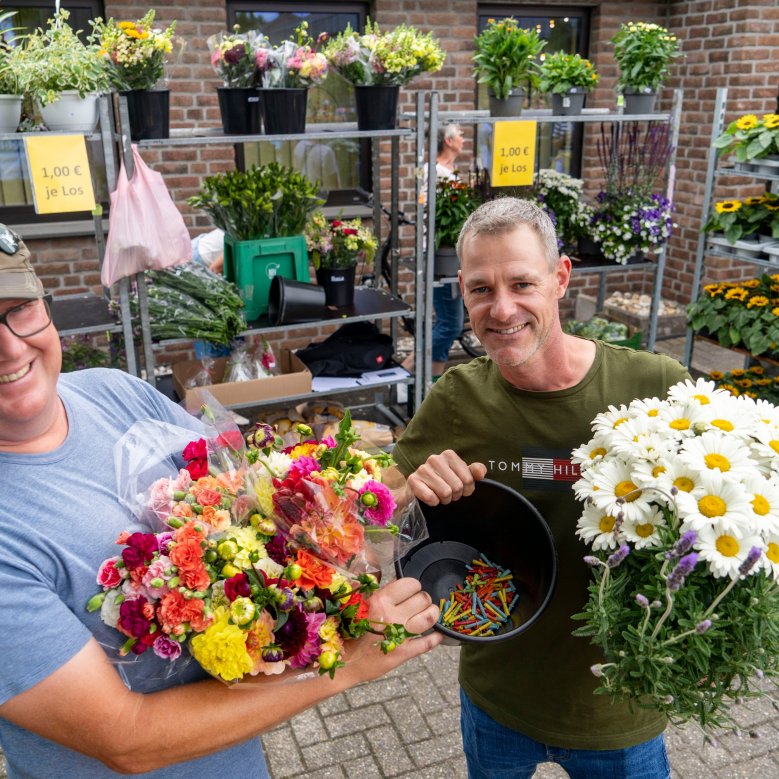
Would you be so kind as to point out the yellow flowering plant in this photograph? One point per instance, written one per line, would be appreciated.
(136, 51)
(741, 313)
(643, 52)
(750, 137)
(736, 219)
(751, 382)
(392, 58)
(561, 72)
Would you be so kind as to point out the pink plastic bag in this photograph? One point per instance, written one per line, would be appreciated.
(146, 230)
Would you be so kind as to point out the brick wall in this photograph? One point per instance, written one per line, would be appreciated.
(723, 45)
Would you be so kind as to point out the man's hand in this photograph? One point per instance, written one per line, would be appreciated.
(445, 477)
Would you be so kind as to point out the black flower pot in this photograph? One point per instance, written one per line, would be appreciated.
(284, 111)
(338, 284)
(377, 107)
(149, 111)
(241, 110)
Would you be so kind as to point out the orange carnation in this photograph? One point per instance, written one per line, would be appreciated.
(175, 609)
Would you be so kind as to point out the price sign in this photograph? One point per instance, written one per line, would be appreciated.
(59, 172)
(513, 153)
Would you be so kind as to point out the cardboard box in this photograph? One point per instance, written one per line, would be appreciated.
(295, 379)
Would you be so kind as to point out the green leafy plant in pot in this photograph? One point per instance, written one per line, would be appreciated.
(11, 84)
(506, 61)
(567, 78)
(643, 52)
(455, 200)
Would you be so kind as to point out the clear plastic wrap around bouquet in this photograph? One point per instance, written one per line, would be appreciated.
(682, 513)
(250, 587)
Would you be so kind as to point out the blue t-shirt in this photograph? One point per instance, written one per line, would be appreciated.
(59, 519)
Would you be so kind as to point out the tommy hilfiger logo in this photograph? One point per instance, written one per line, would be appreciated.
(540, 468)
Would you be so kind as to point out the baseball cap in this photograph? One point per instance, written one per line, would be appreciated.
(17, 277)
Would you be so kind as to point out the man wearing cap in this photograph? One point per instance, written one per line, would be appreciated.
(65, 709)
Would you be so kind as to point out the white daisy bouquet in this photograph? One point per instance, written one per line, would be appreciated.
(682, 513)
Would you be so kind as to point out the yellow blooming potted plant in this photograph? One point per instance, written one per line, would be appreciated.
(506, 60)
(736, 225)
(136, 53)
(377, 64)
(643, 52)
(567, 78)
(754, 141)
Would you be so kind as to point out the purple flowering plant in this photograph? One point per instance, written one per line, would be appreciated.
(681, 517)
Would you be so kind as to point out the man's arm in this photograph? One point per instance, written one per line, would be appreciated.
(85, 706)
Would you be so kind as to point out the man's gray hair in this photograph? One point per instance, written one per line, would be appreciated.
(506, 214)
(445, 132)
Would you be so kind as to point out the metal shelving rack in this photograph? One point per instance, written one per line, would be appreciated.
(370, 304)
(545, 116)
(705, 248)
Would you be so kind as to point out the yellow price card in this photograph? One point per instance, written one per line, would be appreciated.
(59, 172)
(513, 153)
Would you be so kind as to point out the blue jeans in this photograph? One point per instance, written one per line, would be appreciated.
(449, 319)
(493, 750)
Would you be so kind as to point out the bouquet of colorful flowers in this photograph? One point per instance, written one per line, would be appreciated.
(233, 56)
(294, 63)
(682, 513)
(340, 243)
(389, 59)
(266, 557)
(137, 51)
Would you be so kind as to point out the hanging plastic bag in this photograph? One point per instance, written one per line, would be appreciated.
(146, 230)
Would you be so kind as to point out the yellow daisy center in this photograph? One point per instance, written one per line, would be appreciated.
(618, 422)
(657, 470)
(723, 424)
(684, 484)
(774, 445)
(702, 399)
(772, 553)
(680, 424)
(652, 412)
(714, 460)
(727, 546)
(645, 530)
(606, 524)
(599, 452)
(626, 490)
(712, 506)
(760, 505)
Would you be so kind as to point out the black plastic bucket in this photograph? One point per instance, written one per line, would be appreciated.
(294, 301)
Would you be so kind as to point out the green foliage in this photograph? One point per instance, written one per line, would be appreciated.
(561, 72)
(742, 313)
(742, 218)
(78, 353)
(597, 327)
(455, 201)
(55, 61)
(506, 57)
(750, 138)
(10, 59)
(643, 53)
(266, 201)
(660, 651)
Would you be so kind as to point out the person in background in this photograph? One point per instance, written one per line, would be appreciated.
(66, 710)
(447, 300)
(515, 415)
(208, 250)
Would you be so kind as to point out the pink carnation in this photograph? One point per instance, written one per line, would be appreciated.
(108, 575)
(384, 507)
(262, 59)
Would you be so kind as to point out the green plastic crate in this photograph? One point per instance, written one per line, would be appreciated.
(251, 266)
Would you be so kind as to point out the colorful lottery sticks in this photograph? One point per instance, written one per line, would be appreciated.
(483, 603)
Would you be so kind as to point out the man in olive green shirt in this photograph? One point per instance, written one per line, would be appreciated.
(515, 416)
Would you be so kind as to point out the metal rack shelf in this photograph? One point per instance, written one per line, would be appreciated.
(81, 314)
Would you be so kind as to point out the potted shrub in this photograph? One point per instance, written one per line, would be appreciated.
(11, 85)
(643, 52)
(233, 57)
(454, 202)
(567, 78)
(377, 64)
(751, 138)
(263, 212)
(287, 71)
(137, 53)
(336, 248)
(506, 61)
(64, 76)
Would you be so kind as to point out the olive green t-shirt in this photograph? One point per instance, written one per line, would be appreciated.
(540, 683)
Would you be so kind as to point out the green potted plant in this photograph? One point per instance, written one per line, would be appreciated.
(136, 53)
(643, 52)
(64, 75)
(377, 64)
(455, 201)
(751, 138)
(562, 197)
(506, 61)
(737, 224)
(567, 78)
(11, 85)
(263, 212)
(336, 248)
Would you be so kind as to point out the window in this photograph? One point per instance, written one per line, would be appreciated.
(559, 143)
(342, 166)
(16, 201)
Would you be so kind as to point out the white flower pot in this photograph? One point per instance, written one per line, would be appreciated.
(10, 113)
(71, 113)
